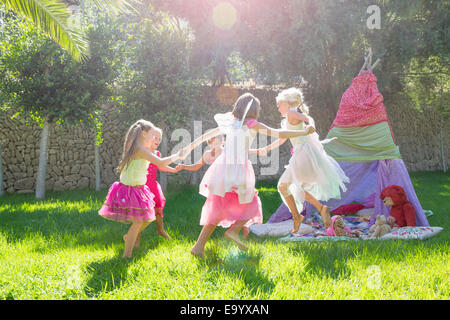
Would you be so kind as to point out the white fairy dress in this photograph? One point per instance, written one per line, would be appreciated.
(311, 169)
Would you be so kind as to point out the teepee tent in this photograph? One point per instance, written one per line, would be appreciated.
(365, 149)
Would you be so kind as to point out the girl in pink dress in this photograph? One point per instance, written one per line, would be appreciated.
(130, 200)
(216, 148)
(155, 187)
(229, 183)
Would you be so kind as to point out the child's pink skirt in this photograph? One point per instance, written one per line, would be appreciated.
(224, 211)
(128, 204)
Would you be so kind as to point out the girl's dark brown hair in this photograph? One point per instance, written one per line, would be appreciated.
(130, 144)
(241, 104)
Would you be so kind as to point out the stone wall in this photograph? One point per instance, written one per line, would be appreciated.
(71, 151)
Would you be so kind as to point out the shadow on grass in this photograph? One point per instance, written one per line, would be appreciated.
(333, 259)
(326, 259)
(238, 264)
(106, 275)
(65, 220)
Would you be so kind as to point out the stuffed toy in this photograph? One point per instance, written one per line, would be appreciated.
(338, 227)
(402, 210)
(348, 209)
(391, 222)
(381, 227)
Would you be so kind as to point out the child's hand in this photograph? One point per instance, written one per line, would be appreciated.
(262, 152)
(310, 129)
(179, 167)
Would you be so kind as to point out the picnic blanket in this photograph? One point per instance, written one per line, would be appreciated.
(312, 229)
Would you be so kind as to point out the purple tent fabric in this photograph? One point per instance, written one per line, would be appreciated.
(367, 178)
(282, 214)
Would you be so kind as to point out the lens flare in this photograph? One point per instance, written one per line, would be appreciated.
(224, 15)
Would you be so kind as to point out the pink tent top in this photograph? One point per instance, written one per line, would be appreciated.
(361, 104)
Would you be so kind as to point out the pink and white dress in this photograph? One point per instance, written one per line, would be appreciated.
(229, 183)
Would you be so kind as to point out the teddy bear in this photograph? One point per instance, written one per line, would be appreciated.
(338, 227)
(380, 228)
(391, 222)
(402, 210)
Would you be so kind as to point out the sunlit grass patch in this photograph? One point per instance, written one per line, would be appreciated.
(60, 248)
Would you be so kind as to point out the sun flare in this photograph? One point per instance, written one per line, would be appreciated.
(224, 15)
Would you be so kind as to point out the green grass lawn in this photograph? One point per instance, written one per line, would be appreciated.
(61, 249)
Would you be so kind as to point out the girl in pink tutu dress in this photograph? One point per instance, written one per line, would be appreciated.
(155, 187)
(229, 183)
(215, 145)
(311, 175)
(130, 200)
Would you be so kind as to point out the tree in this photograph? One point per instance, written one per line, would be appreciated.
(324, 42)
(45, 82)
(156, 80)
(52, 18)
(215, 26)
(2, 190)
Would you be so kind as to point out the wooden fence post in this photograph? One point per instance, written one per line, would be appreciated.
(97, 165)
(444, 165)
(2, 192)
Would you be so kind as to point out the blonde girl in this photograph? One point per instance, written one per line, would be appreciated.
(311, 175)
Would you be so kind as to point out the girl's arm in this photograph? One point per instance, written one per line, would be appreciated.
(143, 152)
(282, 133)
(297, 117)
(191, 167)
(211, 134)
(264, 150)
(195, 166)
(260, 151)
(169, 169)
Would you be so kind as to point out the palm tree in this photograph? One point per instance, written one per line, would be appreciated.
(52, 18)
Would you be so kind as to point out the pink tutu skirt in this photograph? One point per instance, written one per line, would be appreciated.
(224, 211)
(128, 204)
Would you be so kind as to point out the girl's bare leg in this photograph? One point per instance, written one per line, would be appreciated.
(323, 210)
(137, 243)
(245, 232)
(289, 199)
(199, 247)
(233, 234)
(160, 225)
(130, 238)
